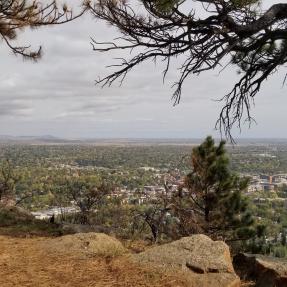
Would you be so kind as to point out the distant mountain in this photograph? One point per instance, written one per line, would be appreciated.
(32, 139)
(49, 139)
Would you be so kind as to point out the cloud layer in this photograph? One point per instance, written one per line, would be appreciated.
(58, 95)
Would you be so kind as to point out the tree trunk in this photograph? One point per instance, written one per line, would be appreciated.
(206, 214)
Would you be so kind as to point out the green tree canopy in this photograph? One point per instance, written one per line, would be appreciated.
(88, 193)
(8, 180)
(214, 193)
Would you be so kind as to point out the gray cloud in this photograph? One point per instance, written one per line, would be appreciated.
(13, 109)
(58, 95)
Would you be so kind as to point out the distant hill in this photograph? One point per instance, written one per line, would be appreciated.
(49, 139)
(45, 139)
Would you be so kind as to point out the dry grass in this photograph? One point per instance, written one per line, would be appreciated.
(137, 246)
(25, 263)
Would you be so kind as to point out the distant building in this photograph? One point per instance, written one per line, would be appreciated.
(265, 182)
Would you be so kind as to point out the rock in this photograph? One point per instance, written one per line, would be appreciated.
(266, 271)
(95, 244)
(204, 262)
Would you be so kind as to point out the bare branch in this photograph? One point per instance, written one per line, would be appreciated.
(256, 41)
(15, 15)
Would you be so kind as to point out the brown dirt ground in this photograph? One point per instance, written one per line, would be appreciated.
(24, 262)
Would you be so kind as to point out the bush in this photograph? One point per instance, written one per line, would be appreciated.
(280, 252)
(12, 216)
(16, 221)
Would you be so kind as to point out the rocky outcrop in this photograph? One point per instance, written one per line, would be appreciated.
(95, 244)
(202, 261)
(264, 270)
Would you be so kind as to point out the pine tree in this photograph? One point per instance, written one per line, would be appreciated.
(16, 15)
(215, 194)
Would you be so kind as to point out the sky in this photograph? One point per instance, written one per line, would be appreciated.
(58, 96)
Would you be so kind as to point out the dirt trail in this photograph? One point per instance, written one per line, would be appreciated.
(24, 262)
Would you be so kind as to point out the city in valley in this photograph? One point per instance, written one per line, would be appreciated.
(142, 172)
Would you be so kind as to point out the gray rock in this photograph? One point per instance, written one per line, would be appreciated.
(87, 244)
(266, 271)
(202, 261)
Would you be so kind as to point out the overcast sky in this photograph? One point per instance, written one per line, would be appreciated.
(58, 96)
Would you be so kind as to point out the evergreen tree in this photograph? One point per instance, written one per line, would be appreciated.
(215, 195)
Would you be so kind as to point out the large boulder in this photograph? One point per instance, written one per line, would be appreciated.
(266, 271)
(95, 244)
(202, 261)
